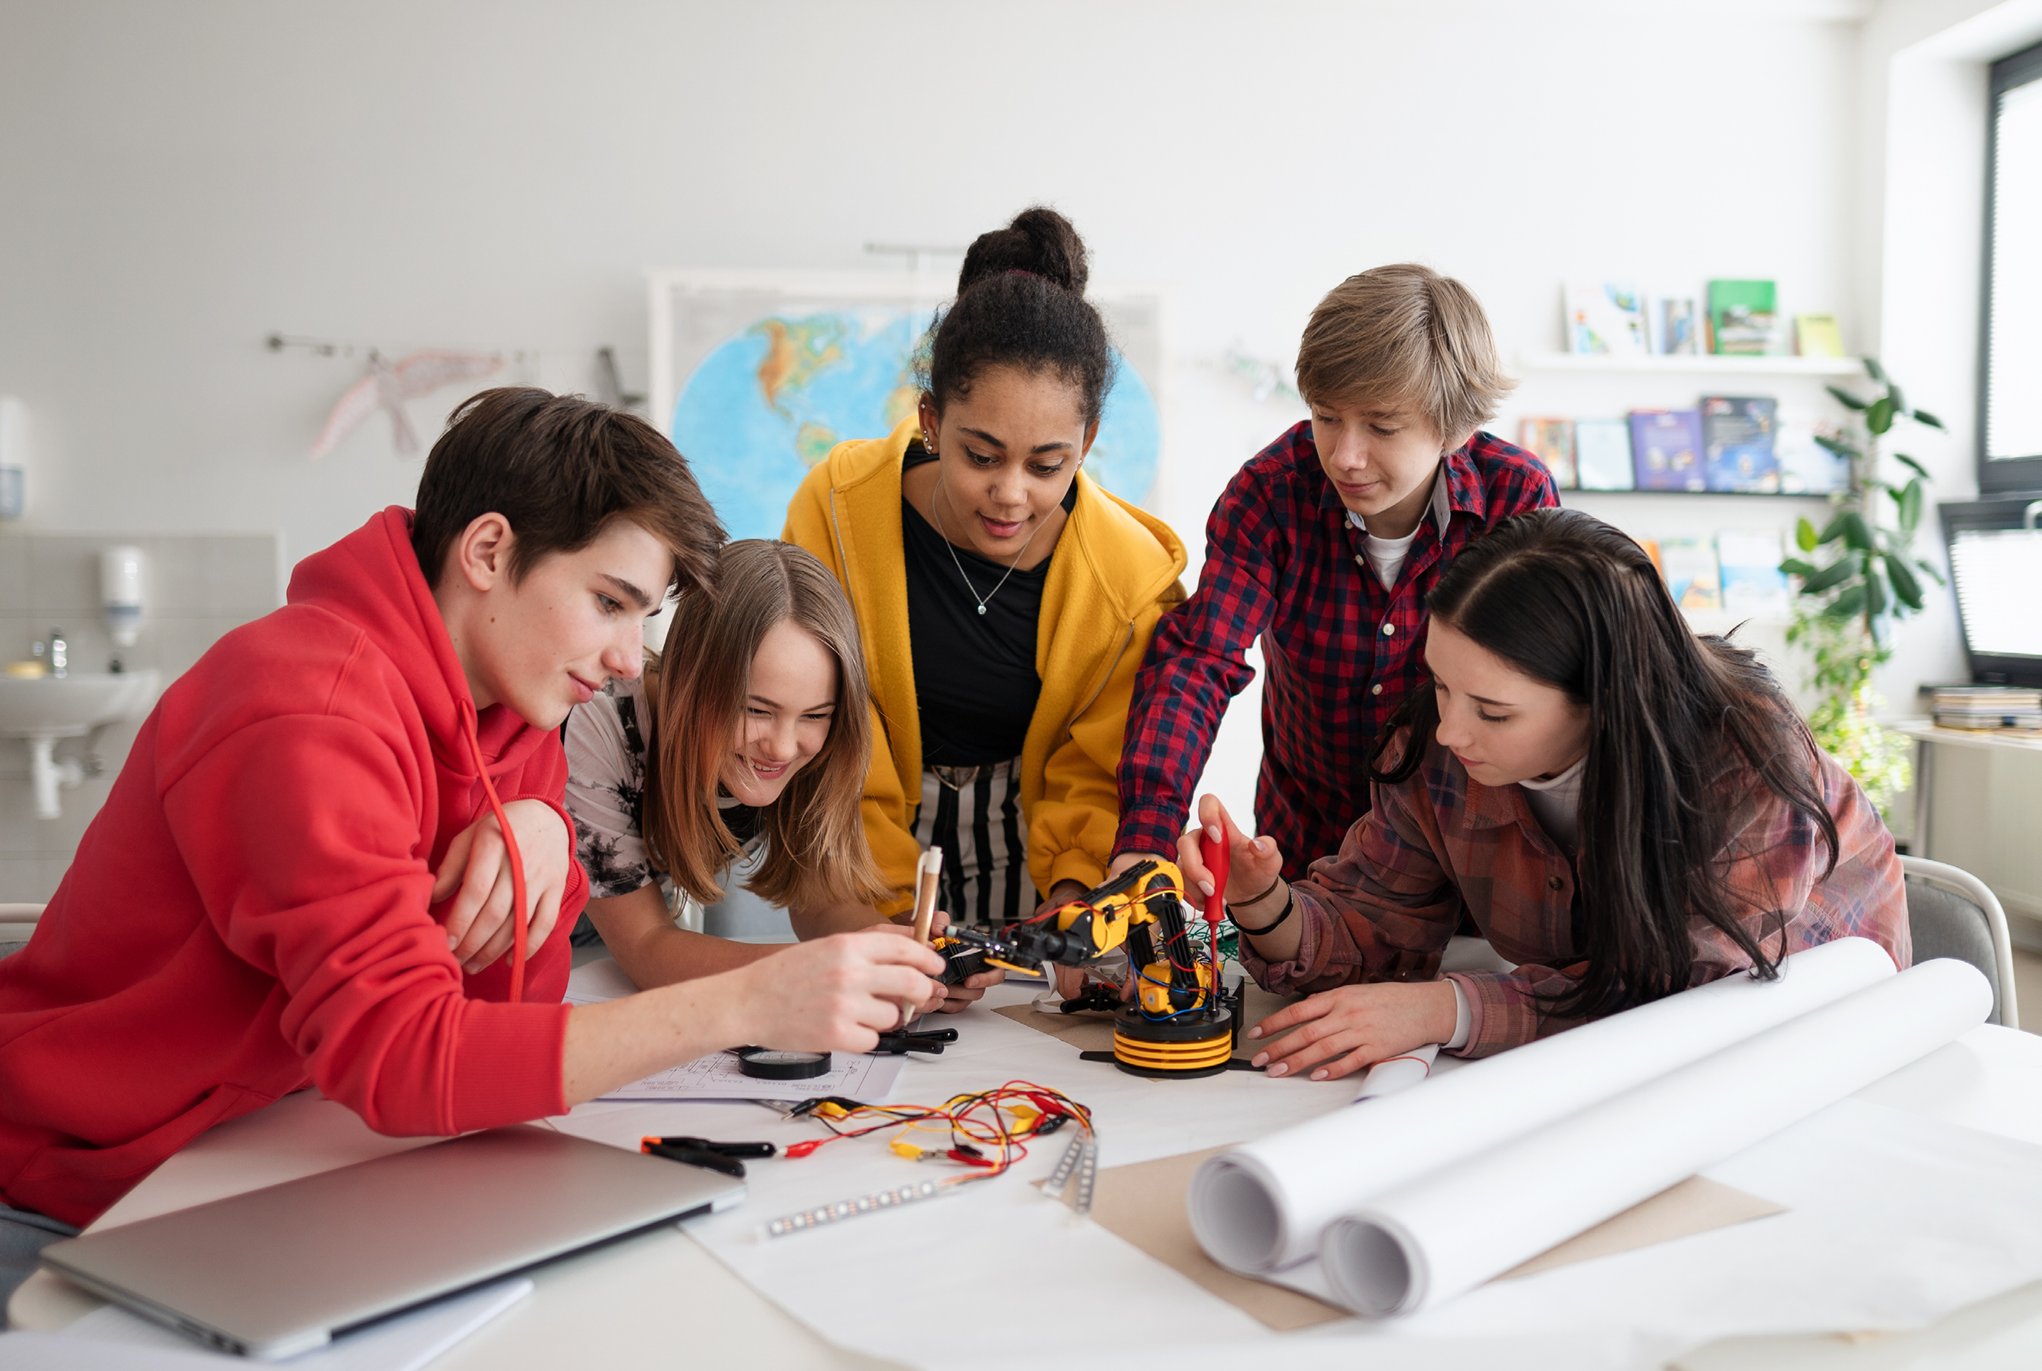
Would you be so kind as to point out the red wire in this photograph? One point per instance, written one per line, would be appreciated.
(517, 860)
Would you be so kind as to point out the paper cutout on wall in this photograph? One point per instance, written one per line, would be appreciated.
(388, 385)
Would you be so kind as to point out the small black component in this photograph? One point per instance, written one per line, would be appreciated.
(902, 1042)
(1096, 996)
(724, 1149)
(695, 1156)
(773, 1064)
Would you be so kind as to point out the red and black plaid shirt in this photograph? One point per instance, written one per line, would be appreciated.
(1282, 562)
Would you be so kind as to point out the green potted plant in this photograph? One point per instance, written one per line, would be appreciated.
(1858, 576)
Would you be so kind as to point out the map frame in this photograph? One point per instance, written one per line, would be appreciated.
(690, 311)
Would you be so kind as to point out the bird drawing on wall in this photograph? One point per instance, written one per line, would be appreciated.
(389, 384)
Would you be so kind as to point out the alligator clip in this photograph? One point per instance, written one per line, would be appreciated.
(694, 1156)
(898, 1044)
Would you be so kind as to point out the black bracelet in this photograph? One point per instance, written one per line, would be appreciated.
(1258, 899)
(1289, 902)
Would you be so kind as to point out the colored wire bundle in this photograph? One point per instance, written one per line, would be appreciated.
(987, 1132)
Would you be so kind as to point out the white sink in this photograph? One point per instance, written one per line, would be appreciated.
(47, 708)
(72, 706)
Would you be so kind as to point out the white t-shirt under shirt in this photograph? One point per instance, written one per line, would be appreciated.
(1556, 804)
(1386, 555)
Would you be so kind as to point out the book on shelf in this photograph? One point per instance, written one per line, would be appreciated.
(1689, 565)
(1807, 467)
(1666, 449)
(1737, 436)
(1673, 326)
(1741, 318)
(1552, 442)
(1602, 454)
(1749, 563)
(1816, 335)
(1605, 318)
(1988, 709)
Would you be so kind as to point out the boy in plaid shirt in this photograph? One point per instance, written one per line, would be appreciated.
(1325, 546)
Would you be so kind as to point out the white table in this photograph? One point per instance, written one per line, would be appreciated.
(660, 1300)
(1929, 738)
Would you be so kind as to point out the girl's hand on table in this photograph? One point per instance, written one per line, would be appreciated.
(1340, 1031)
(479, 928)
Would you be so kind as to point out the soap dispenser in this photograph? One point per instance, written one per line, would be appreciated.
(120, 593)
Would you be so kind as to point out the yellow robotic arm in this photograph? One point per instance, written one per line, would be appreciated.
(1181, 1022)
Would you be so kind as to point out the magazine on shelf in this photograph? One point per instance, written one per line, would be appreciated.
(1602, 454)
(1666, 449)
(1737, 434)
(1605, 318)
(1691, 574)
(1753, 583)
(1552, 442)
(1741, 318)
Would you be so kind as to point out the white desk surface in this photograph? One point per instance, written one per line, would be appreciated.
(660, 1299)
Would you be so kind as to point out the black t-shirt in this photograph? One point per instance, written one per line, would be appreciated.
(975, 681)
(741, 819)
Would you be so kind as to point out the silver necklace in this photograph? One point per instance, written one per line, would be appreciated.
(960, 566)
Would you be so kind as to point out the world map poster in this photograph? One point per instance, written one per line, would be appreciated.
(756, 377)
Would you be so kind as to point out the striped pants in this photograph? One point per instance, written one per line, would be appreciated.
(974, 814)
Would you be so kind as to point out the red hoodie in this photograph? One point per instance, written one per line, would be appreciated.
(247, 915)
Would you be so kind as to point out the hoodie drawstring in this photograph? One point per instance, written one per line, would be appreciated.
(510, 843)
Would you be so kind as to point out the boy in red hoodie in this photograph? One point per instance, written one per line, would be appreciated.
(302, 875)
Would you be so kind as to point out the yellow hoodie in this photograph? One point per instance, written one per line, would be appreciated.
(1113, 574)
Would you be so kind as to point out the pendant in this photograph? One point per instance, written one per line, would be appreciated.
(981, 609)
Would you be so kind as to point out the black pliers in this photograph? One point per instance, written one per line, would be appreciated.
(702, 1152)
(901, 1042)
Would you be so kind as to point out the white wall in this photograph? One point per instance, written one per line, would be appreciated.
(182, 180)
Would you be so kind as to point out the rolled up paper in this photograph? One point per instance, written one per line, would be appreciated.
(1437, 1237)
(1262, 1206)
(1392, 1074)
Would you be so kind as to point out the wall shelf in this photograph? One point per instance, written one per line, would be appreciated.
(1700, 364)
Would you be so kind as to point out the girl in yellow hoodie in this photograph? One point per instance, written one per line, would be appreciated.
(1005, 600)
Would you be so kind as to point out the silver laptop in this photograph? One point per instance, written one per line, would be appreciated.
(276, 1271)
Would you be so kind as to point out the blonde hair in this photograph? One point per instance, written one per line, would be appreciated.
(815, 836)
(1404, 335)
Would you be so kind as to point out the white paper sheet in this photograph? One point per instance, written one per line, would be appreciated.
(1866, 1185)
(111, 1336)
(1262, 1207)
(1438, 1237)
(597, 981)
(720, 1077)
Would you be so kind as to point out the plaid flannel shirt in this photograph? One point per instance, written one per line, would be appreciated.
(1283, 563)
(1441, 843)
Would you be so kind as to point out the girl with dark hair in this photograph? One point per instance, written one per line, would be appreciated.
(1624, 809)
(1004, 598)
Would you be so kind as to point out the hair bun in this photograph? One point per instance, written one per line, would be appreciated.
(1039, 241)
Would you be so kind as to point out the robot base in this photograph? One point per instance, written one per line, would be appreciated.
(1183, 1048)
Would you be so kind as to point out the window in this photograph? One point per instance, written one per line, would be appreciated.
(2010, 390)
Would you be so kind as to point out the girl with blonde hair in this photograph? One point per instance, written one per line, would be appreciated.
(740, 755)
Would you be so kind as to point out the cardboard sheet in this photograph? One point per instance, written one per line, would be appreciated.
(1143, 1205)
(1093, 1032)
(1696, 1205)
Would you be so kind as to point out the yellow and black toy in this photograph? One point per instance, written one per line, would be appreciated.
(1181, 1023)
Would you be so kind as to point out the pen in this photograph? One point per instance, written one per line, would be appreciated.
(926, 873)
